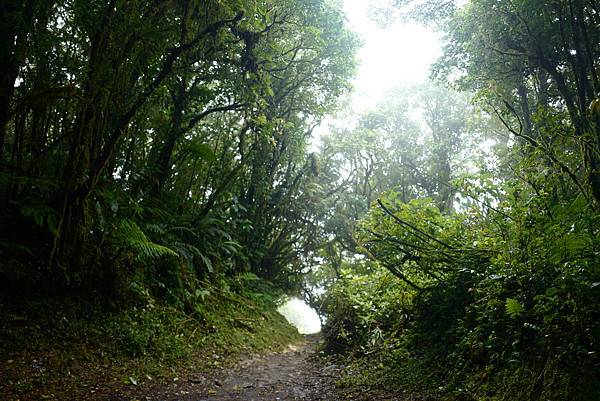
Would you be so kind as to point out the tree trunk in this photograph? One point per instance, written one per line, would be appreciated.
(15, 17)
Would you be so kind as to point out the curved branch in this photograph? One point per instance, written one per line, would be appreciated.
(412, 227)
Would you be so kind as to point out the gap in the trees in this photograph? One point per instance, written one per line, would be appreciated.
(301, 316)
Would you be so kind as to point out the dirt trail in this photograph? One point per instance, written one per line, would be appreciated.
(295, 374)
(290, 375)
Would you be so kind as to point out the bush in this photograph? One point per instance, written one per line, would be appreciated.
(511, 317)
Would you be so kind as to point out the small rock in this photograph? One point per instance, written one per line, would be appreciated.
(197, 379)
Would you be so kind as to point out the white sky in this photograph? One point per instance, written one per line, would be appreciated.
(299, 314)
(398, 54)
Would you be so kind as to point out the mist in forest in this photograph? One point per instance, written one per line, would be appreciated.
(424, 175)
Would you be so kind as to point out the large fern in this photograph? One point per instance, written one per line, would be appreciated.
(133, 236)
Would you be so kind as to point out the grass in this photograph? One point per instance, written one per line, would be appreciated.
(71, 349)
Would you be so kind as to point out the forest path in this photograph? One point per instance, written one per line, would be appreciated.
(290, 375)
(293, 374)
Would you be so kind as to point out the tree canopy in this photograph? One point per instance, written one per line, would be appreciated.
(166, 131)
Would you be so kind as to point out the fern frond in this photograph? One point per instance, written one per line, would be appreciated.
(155, 228)
(188, 251)
(184, 230)
(134, 237)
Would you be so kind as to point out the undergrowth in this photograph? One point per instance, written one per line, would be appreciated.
(441, 345)
(70, 348)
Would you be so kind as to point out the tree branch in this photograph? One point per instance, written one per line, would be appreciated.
(412, 227)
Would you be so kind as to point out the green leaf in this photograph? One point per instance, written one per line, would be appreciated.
(207, 262)
(514, 308)
(38, 217)
(201, 151)
(52, 222)
(135, 238)
(200, 293)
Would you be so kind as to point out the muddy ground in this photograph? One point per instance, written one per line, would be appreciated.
(295, 374)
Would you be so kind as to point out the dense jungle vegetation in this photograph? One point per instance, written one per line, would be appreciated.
(463, 255)
(158, 176)
(156, 190)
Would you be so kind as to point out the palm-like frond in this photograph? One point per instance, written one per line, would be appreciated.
(133, 236)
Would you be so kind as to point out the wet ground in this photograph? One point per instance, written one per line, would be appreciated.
(294, 374)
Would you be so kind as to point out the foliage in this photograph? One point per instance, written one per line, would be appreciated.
(499, 290)
(133, 236)
(481, 297)
(389, 147)
(155, 155)
(78, 345)
(162, 143)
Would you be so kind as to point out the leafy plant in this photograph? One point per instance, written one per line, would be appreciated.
(514, 308)
(133, 236)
